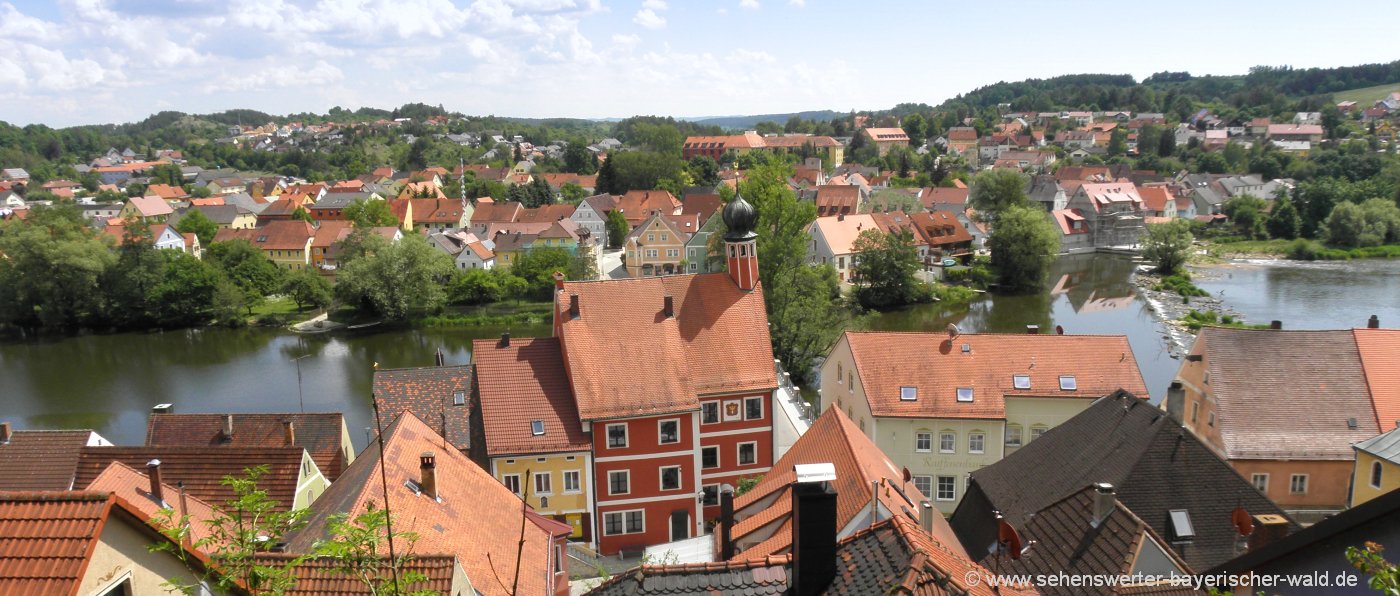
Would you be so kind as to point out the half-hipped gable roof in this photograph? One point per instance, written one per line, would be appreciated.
(520, 382)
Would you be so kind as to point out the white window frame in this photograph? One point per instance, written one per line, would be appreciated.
(1038, 431)
(926, 437)
(660, 435)
(711, 448)
(578, 481)
(607, 436)
(623, 522)
(1259, 478)
(739, 453)
(927, 480)
(627, 474)
(548, 481)
(981, 444)
(508, 479)
(1021, 381)
(948, 438)
(707, 407)
(761, 409)
(1293, 484)
(1071, 385)
(536, 428)
(459, 397)
(661, 478)
(1018, 436)
(938, 488)
(965, 395)
(908, 393)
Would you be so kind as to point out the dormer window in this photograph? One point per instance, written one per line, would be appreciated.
(1021, 381)
(964, 394)
(908, 393)
(536, 427)
(1067, 383)
(459, 397)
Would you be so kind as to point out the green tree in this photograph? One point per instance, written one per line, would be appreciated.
(396, 281)
(1168, 244)
(52, 270)
(607, 182)
(187, 291)
(1166, 144)
(640, 170)
(370, 213)
(1385, 576)
(995, 191)
(704, 171)
(1284, 221)
(617, 228)
(1247, 213)
(477, 286)
(248, 268)
(1024, 244)
(572, 193)
(1346, 226)
(307, 288)
(579, 160)
(537, 268)
(1118, 142)
(197, 223)
(916, 128)
(1236, 157)
(355, 548)
(886, 270)
(1383, 217)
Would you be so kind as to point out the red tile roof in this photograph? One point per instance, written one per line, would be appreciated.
(135, 488)
(837, 199)
(941, 228)
(166, 191)
(430, 392)
(437, 211)
(1380, 360)
(840, 234)
(702, 205)
(520, 383)
(327, 577)
(888, 135)
(47, 539)
(151, 206)
(933, 197)
(545, 213)
(938, 367)
(274, 235)
(475, 517)
(331, 232)
(636, 205)
(323, 435)
(503, 212)
(1155, 198)
(718, 342)
(203, 469)
(43, 459)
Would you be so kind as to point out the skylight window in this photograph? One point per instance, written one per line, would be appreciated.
(1067, 383)
(965, 394)
(537, 427)
(908, 393)
(1021, 381)
(459, 398)
(1181, 524)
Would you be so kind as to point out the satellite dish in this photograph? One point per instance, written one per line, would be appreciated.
(907, 476)
(1008, 538)
(1244, 524)
(953, 331)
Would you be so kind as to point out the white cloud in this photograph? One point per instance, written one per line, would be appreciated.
(320, 73)
(654, 4)
(625, 42)
(29, 67)
(749, 4)
(648, 18)
(798, 3)
(17, 25)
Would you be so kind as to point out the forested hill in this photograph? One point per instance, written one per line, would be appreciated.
(1165, 91)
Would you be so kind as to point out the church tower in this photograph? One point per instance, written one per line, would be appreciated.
(741, 250)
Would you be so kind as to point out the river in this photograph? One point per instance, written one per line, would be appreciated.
(109, 382)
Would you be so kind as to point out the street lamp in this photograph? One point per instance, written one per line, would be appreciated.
(301, 400)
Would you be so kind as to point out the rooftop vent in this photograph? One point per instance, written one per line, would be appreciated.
(1351, 423)
(822, 472)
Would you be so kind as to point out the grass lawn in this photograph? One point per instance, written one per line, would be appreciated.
(279, 305)
(1366, 96)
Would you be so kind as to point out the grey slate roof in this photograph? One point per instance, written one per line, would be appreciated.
(1386, 446)
(339, 200)
(763, 576)
(1155, 465)
(245, 201)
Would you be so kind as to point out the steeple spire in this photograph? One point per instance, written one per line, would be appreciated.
(741, 248)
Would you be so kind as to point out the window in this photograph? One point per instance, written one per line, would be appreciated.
(748, 453)
(709, 457)
(670, 477)
(558, 558)
(663, 236)
(1021, 381)
(710, 494)
(923, 441)
(924, 484)
(908, 393)
(542, 483)
(709, 412)
(536, 427)
(622, 522)
(651, 237)
(1013, 435)
(839, 372)
(947, 442)
(459, 398)
(1298, 484)
(965, 394)
(512, 482)
(1260, 481)
(1067, 383)
(571, 481)
(947, 489)
(673, 252)
(1375, 474)
(753, 408)
(1195, 409)
(651, 252)
(668, 431)
(619, 482)
(617, 435)
(1037, 431)
(1211, 419)
(976, 442)
(850, 381)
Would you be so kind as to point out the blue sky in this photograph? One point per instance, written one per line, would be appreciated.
(95, 61)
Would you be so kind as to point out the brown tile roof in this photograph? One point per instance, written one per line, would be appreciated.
(135, 488)
(702, 205)
(47, 539)
(840, 234)
(331, 232)
(1069, 173)
(545, 213)
(962, 133)
(1155, 198)
(896, 556)
(473, 517)
(717, 343)
(430, 393)
(833, 439)
(1294, 404)
(558, 180)
(887, 135)
(274, 235)
(151, 206)
(521, 383)
(1380, 360)
(203, 469)
(1294, 129)
(944, 196)
(284, 207)
(796, 141)
(323, 434)
(324, 576)
(448, 211)
(636, 205)
(938, 367)
(504, 212)
(43, 459)
(941, 228)
(834, 199)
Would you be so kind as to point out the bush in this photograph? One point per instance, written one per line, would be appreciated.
(1304, 250)
(1181, 284)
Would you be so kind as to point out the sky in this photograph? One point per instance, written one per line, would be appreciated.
(69, 62)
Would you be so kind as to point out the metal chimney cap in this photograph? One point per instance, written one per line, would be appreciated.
(823, 472)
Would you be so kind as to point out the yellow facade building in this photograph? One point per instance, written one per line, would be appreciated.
(1377, 469)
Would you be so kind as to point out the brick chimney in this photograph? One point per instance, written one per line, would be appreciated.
(813, 534)
(505, 340)
(289, 432)
(1268, 528)
(427, 468)
(668, 307)
(1374, 322)
(153, 471)
(228, 427)
(1176, 401)
(6, 433)
(1105, 499)
(726, 522)
(573, 306)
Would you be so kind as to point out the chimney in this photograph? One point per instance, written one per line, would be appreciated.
(813, 529)
(1268, 528)
(840, 217)
(559, 281)
(668, 307)
(505, 340)
(926, 516)
(1374, 322)
(163, 409)
(1032, 329)
(228, 427)
(6, 433)
(439, 359)
(573, 306)
(289, 432)
(428, 474)
(1104, 500)
(726, 522)
(1276, 325)
(153, 471)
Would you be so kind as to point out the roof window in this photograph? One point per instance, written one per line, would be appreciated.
(965, 394)
(1067, 383)
(1021, 381)
(459, 397)
(537, 427)
(907, 393)
(1181, 525)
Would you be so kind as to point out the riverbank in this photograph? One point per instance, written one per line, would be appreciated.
(1297, 250)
